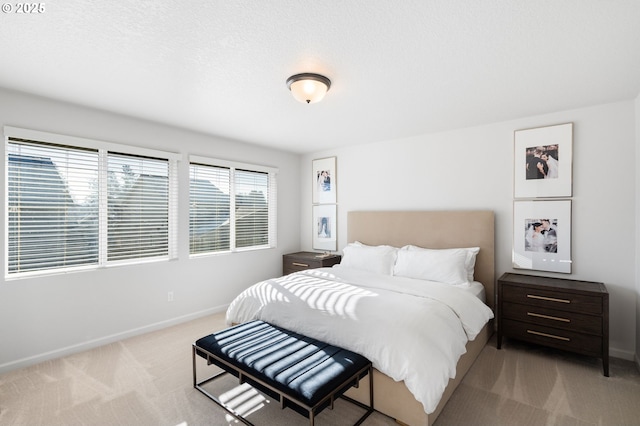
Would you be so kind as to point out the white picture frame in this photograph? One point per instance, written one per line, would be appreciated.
(543, 159)
(324, 181)
(325, 230)
(542, 235)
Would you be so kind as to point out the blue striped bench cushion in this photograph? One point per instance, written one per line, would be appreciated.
(297, 366)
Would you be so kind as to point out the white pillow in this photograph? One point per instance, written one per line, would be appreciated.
(376, 259)
(470, 262)
(446, 267)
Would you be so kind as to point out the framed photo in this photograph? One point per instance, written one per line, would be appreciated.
(542, 235)
(543, 162)
(325, 227)
(324, 181)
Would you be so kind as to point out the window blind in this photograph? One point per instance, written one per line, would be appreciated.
(137, 207)
(273, 212)
(79, 205)
(52, 206)
(209, 209)
(232, 206)
(251, 208)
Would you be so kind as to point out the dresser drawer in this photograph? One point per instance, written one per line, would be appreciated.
(566, 320)
(553, 337)
(572, 302)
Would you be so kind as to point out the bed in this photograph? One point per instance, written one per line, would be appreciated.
(345, 302)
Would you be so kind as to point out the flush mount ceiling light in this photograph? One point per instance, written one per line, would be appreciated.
(307, 87)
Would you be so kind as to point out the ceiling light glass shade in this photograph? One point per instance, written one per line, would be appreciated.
(308, 88)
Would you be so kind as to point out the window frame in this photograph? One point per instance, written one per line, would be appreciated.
(103, 149)
(272, 202)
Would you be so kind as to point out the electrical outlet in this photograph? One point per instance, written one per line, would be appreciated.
(170, 296)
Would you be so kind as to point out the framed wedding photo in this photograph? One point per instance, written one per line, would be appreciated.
(543, 162)
(542, 235)
(324, 181)
(325, 227)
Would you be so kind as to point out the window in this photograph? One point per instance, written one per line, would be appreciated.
(79, 203)
(252, 213)
(138, 207)
(209, 209)
(52, 207)
(232, 206)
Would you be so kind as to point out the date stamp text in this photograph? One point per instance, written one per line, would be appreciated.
(23, 8)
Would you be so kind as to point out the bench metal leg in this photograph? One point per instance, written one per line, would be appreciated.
(369, 408)
(198, 386)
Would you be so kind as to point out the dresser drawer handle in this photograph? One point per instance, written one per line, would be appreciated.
(304, 265)
(533, 314)
(550, 299)
(553, 336)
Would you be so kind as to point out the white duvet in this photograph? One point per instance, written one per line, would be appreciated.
(411, 330)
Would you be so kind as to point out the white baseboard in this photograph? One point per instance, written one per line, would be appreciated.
(94, 343)
(617, 353)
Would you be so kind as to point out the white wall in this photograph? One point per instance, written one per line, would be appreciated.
(473, 169)
(57, 314)
(637, 110)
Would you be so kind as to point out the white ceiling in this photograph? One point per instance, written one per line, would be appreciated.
(398, 68)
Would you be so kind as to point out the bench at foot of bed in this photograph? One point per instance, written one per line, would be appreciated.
(302, 373)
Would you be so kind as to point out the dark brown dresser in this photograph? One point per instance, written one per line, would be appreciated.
(559, 313)
(294, 262)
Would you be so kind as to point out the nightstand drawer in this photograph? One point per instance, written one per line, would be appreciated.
(552, 299)
(300, 261)
(553, 318)
(553, 337)
(289, 266)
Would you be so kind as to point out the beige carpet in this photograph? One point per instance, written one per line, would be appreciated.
(146, 380)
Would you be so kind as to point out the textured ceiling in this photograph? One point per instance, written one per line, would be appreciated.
(398, 68)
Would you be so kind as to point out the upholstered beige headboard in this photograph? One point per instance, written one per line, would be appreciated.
(431, 229)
